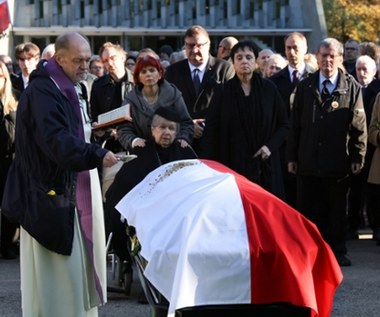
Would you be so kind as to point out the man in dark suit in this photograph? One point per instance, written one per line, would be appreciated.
(27, 56)
(199, 65)
(109, 91)
(286, 80)
(351, 54)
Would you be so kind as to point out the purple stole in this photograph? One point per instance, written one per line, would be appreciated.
(83, 184)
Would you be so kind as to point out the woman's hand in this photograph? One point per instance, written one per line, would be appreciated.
(264, 152)
(292, 167)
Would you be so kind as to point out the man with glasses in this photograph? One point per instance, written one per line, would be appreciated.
(327, 141)
(351, 53)
(27, 56)
(224, 47)
(109, 91)
(197, 76)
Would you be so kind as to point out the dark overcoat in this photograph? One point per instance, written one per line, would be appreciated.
(234, 133)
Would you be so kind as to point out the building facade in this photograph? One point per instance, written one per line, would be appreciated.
(151, 23)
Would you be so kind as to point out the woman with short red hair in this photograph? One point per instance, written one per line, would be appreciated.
(151, 92)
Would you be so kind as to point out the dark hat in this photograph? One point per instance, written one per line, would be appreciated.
(168, 113)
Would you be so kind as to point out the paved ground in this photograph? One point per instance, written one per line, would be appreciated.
(358, 295)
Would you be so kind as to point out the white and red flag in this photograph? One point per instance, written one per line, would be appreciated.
(211, 237)
(4, 16)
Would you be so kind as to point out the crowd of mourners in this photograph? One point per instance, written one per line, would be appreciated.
(305, 126)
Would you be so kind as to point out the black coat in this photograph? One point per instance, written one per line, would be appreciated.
(48, 155)
(7, 145)
(106, 94)
(369, 96)
(284, 84)
(217, 71)
(148, 158)
(234, 132)
(325, 138)
(17, 84)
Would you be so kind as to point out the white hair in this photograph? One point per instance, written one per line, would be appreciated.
(371, 64)
(48, 51)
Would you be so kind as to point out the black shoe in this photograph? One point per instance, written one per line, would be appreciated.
(343, 260)
(376, 234)
(352, 235)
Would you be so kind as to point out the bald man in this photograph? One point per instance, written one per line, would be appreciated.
(53, 190)
(225, 46)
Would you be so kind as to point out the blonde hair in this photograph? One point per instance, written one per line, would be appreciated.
(6, 94)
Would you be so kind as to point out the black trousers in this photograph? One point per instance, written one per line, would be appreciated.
(374, 210)
(8, 229)
(357, 201)
(323, 201)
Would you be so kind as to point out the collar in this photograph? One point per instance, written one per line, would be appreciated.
(25, 80)
(125, 78)
(333, 79)
(301, 70)
(202, 68)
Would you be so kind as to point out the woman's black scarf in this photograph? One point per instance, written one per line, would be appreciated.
(250, 111)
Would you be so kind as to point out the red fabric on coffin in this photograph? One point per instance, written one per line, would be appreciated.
(290, 261)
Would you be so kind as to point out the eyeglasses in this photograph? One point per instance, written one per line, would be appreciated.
(325, 56)
(350, 48)
(191, 46)
(131, 64)
(227, 49)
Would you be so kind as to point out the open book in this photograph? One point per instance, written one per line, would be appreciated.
(114, 117)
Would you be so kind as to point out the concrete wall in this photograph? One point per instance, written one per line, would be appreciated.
(262, 19)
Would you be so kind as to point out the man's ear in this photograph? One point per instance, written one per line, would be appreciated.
(59, 59)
